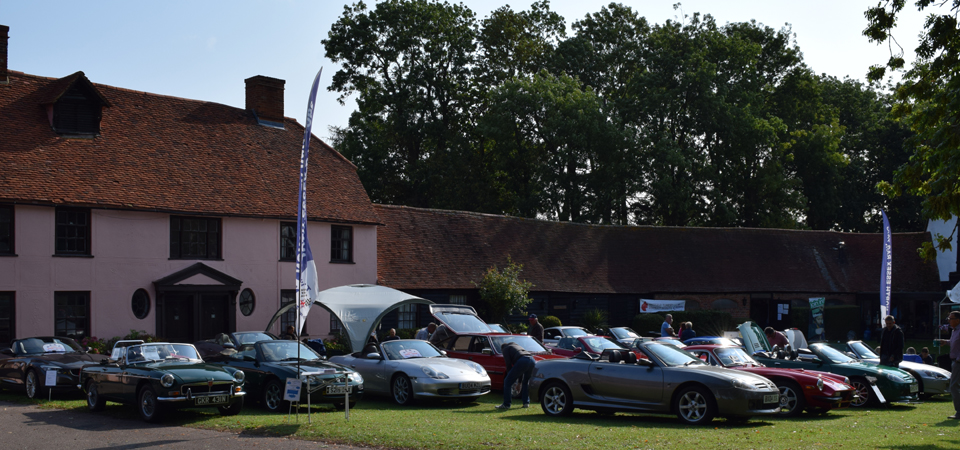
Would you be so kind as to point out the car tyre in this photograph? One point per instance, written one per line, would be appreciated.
(864, 392)
(32, 385)
(231, 409)
(402, 390)
(556, 400)
(273, 396)
(792, 401)
(94, 400)
(695, 406)
(149, 406)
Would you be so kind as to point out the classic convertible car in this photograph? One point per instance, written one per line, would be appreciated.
(595, 345)
(413, 369)
(159, 376)
(26, 363)
(932, 379)
(668, 381)
(268, 364)
(222, 341)
(799, 389)
(874, 384)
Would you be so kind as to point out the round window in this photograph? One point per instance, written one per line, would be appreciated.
(247, 302)
(141, 303)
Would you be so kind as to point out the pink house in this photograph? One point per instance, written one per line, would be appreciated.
(124, 210)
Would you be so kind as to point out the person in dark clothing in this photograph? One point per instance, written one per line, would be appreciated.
(520, 365)
(290, 333)
(536, 329)
(393, 336)
(687, 332)
(926, 356)
(776, 338)
(891, 343)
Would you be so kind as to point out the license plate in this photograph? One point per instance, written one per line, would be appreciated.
(339, 389)
(473, 385)
(914, 388)
(212, 400)
(771, 398)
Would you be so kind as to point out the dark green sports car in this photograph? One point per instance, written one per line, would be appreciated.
(157, 377)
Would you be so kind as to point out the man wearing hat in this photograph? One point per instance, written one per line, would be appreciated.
(535, 330)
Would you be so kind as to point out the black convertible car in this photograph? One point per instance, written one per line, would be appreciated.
(25, 364)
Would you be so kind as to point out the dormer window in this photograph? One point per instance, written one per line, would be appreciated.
(77, 113)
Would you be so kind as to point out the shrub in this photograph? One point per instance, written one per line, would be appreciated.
(96, 345)
(647, 324)
(503, 291)
(338, 345)
(516, 328)
(550, 321)
(594, 320)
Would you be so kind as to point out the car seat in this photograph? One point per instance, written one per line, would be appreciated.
(631, 357)
(615, 357)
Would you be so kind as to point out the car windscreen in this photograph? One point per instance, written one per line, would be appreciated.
(463, 323)
(624, 333)
(574, 332)
(528, 343)
(734, 357)
(410, 349)
(252, 337)
(830, 353)
(864, 351)
(161, 352)
(39, 346)
(598, 344)
(670, 355)
(274, 351)
(494, 328)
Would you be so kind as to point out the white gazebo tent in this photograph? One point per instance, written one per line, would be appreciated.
(360, 307)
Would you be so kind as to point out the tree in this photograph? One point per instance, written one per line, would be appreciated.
(928, 102)
(504, 291)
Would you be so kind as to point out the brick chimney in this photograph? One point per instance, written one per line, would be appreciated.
(4, 35)
(265, 99)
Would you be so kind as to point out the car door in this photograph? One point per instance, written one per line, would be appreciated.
(375, 376)
(633, 385)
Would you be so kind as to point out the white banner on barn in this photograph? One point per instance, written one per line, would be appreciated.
(653, 306)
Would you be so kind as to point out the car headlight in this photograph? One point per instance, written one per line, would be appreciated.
(846, 380)
(167, 380)
(820, 383)
(433, 373)
(356, 377)
(934, 375)
(239, 376)
(895, 377)
(479, 369)
(740, 383)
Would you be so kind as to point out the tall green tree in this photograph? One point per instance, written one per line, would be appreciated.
(409, 62)
(502, 291)
(928, 102)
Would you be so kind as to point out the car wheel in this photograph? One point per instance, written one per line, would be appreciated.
(792, 400)
(32, 384)
(556, 400)
(402, 390)
(94, 401)
(695, 406)
(232, 409)
(864, 392)
(339, 406)
(273, 396)
(150, 408)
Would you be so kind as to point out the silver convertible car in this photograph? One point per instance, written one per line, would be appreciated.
(665, 379)
(409, 369)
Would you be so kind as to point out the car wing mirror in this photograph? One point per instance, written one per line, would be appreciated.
(373, 356)
(443, 352)
(644, 362)
(487, 352)
(7, 351)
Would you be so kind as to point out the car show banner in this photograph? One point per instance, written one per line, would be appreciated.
(816, 328)
(653, 306)
(886, 271)
(307, 286)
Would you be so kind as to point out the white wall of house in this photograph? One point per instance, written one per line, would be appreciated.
(130, 250)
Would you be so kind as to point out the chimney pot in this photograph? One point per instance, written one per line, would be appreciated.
(265, 99)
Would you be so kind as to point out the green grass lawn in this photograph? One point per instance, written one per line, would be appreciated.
(378, 422)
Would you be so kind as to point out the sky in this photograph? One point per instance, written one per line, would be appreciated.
(203, 50)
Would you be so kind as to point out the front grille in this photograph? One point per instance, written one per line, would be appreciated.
(454, 391)
(219, 387)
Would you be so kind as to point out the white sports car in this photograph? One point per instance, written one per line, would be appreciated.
(409, 369)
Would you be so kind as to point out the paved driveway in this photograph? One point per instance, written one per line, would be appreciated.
(29, 427)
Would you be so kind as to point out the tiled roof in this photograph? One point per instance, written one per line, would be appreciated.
(434, 249)
(169, 154)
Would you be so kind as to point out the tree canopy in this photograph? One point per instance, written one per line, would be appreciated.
(685, 123)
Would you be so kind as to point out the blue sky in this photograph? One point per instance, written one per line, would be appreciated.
(205, 49)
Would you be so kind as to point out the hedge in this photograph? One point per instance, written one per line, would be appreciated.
(705, 322)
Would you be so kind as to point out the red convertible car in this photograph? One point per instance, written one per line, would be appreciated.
(472, 340)
(800, 389)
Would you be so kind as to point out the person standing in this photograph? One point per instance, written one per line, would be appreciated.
(776, 338)
(667, 324)
(520, 365)
(425, 332)
(687, 332)
(290, 333)
(392, 336)
(891, 343)
(954, 343)
(536, 329)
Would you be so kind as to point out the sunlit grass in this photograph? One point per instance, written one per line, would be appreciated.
(378, 422)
